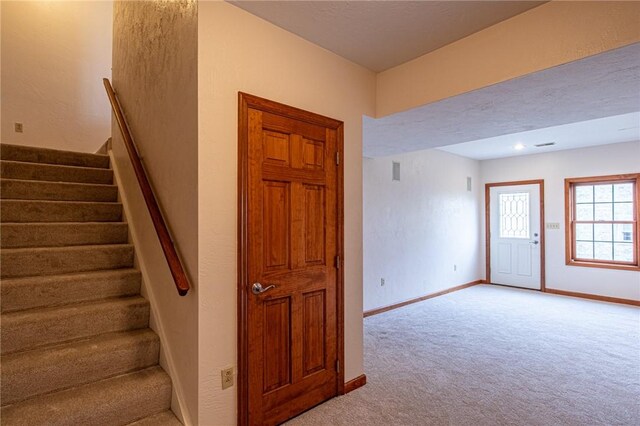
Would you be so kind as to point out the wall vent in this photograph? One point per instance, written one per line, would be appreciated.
(540, 145)
(468, 183)
(395, 173)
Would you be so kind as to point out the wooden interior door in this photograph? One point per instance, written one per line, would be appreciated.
(290, 286)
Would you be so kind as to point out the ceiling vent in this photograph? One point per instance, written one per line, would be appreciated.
(540, 145)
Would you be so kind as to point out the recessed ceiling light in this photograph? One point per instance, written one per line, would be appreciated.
(518, 147)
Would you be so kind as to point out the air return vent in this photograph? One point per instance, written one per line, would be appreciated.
(540, 145)
(395, 173)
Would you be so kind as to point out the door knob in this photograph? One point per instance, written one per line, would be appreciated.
(533, 242)
(257, 288)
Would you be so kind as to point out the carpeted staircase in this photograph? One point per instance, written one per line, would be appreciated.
(76, 347)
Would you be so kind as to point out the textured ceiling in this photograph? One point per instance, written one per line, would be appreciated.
(601, 131)
(382, 34)
(600, 86)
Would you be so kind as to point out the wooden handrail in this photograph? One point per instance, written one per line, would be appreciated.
(175, 265)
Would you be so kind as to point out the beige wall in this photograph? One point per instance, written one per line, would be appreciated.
(554, 167)
(155, 75)
(418, 228)
(54, 55)
(546, 36)
(239, 52)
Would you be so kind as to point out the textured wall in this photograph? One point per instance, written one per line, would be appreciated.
(155, 76)
(418, 228)
(54, 55)
(554, 168)
(239, 52)
(549, 35)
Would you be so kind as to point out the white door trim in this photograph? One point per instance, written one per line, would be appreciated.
(487, 201)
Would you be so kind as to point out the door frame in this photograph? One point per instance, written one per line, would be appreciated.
(245, 102)
(487, 217)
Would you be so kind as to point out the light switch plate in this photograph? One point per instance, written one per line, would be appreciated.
(553, 225)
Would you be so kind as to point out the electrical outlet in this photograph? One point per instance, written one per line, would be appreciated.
(381, 282)
(227, 377)
(17, 127)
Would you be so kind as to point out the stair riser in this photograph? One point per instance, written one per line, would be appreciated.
(30, 262)
(43, 211)
(116, 401)
(33, 190)
(75, 365)
(22, 332)
(53, 173)
(48, 156)
(16, 235)
(166, 418)
(37, 292)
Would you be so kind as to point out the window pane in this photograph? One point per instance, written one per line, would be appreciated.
(623, 252)
(584, 212)
(603, 208)
(623, 192)
(514, 215)
(584, 231)
(623, 232)
(603, 251)
(584, 194)
(603, 211)
(623, 211)
(603, 193)
(603, 232)
(584, 250)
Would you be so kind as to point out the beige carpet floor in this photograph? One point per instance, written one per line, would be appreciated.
(491, 355)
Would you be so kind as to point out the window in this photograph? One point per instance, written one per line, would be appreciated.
(514, 215)
(602, 221)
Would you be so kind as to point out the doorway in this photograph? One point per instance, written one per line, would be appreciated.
(290, 239)
(515, 234)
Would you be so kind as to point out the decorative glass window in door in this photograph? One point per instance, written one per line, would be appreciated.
(514, 215)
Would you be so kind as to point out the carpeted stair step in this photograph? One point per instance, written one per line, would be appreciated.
(59, 211)
(75, 343)
(55, 173)
(32, 154)
(166, 418)
(49, 369)
(25, 262)
(17, 189)
(25, 330)
(116, 401)
(56, 234)
(58, 290)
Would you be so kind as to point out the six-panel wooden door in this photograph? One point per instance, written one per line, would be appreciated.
(291, 286)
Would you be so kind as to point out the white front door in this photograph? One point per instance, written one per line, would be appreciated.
(515, 235)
